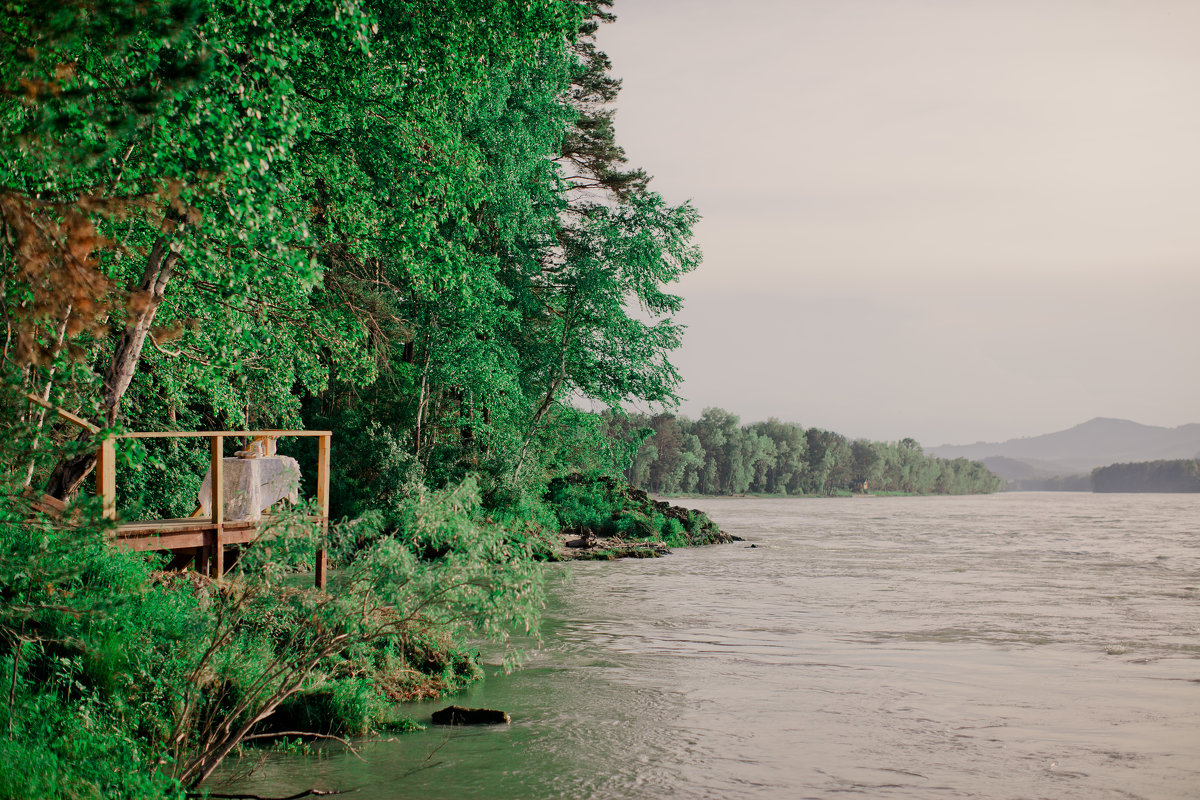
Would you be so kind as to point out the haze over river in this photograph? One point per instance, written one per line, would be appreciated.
(1019, 645)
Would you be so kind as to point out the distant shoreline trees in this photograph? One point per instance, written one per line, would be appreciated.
(717, 455)
(1182, 475)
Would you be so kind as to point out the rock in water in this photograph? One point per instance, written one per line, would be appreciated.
(457, 715)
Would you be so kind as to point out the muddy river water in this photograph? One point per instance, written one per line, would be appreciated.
(1023, 645)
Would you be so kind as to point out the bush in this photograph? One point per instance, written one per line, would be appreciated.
(116, 665)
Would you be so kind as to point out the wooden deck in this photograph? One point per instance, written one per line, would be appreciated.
(199, 543)
(210, 543)
(205, 542)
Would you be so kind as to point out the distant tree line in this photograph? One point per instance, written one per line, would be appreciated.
(715, 454)
(1052, 483)
(1181, 475)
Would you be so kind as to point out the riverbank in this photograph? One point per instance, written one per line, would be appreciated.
(798, 496)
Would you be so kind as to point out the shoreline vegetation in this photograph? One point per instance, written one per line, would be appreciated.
(407, 223)
(603, 519)
(1170, 476)
(778, 496)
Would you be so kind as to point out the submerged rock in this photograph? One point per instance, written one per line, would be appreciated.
(457, 715)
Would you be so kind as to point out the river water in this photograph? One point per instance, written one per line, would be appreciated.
(1022, 645)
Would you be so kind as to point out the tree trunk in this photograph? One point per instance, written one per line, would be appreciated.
(422, 402)
(160, 267)
(33, 446)
(544, 408)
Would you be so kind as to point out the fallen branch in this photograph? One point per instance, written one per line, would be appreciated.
(297, 796)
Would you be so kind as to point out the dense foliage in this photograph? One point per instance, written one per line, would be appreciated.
(1182, 475)
(404, 221)
(715, 454)
(126, 682)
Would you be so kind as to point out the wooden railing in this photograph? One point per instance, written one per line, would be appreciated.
(207, 536)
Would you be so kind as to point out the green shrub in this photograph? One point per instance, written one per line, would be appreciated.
(673, 534)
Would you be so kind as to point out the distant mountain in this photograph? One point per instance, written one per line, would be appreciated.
(1095, 443)
(1012, 469)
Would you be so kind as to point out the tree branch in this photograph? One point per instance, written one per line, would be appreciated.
(297, 796)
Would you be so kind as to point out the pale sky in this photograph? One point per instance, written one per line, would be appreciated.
(956, 220)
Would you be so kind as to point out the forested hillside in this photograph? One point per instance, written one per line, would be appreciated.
(1181, 475)
(407, 222)
(715, 454)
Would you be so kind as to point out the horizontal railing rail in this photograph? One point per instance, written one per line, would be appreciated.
(277, 434)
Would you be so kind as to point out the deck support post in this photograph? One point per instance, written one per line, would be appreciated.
(106, 477)
(216, 560)
(180, 559)
(320, 568)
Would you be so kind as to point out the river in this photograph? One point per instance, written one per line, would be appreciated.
(1022, 645)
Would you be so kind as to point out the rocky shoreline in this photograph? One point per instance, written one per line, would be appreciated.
(637, 527)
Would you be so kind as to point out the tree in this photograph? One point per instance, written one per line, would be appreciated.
(613, 247)
(867, 463)
(666, 471)
(791, 448)
(183, 147)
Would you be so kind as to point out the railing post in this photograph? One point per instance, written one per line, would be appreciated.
(106, 477)
(217, 504)
(319, 569)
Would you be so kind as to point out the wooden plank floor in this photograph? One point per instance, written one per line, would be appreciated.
(179, 534)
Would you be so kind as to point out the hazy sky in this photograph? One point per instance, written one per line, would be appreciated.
(948, 219)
